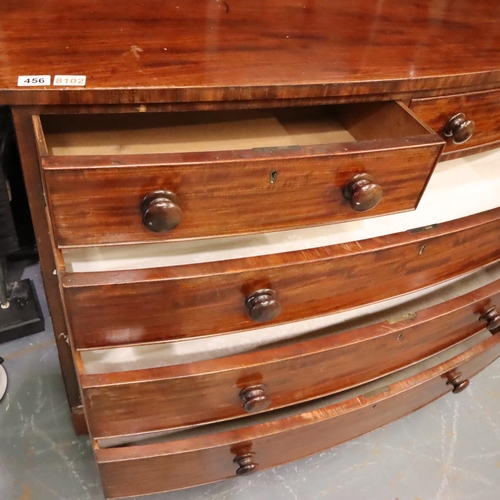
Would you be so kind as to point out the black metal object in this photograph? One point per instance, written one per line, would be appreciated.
(16, 228)
(8, 235)
(20, 312)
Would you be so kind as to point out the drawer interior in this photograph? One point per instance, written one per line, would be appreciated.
(228, 130)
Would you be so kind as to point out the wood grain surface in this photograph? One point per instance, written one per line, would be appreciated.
(127, 403)
(149, 305)
(141, 469)
(157, 51)
(222, 195)
(481, 107)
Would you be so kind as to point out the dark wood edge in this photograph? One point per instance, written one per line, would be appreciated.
(396, 88)
(299, 257)
(50, 163)
(39, 136)
(479, 300)
(155, 106)
(45, 242)
(470, 93)
(437, 159)
(78, 421)
(459, 153)
(477, 357)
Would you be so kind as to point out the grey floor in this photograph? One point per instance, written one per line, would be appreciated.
(449, 450)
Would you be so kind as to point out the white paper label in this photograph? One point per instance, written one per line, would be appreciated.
(33, 80)
(70, 80)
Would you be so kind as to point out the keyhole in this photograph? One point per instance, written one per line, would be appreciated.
(273, 176)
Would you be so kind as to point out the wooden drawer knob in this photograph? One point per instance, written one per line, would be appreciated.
(161, 211)
(362, 192)
(459, 129)
(459, 385)
(492, 319)
(255, 398)
(263, 305)
(246, 464)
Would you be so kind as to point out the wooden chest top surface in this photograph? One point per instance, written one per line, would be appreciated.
(215, 50)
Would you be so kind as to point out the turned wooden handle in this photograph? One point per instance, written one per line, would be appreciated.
(459, 129)
(263, 305)
(492, 318)
(362, 192)
(255, 398)
(455, 379)
(246, 464)
(161, 211)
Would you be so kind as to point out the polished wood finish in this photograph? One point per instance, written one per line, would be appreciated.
(483, 108)
(231, 197)
(155, 52)
(140, 469)
(210, 297)
(169, 397)
(224, 193)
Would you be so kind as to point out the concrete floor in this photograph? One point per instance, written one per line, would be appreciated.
(449, 450)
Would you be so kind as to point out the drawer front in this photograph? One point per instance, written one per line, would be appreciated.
(141, 469)
(219, 297)
(483, 108)
(93, 206)
(376, 160)
(128, 403)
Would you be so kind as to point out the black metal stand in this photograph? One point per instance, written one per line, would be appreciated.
(20, 312)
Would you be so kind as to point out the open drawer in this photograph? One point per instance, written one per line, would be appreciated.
(167, 176)
(200, 300)
(242, 446)
(135, 401)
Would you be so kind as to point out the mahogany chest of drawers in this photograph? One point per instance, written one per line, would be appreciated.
(252, 245)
